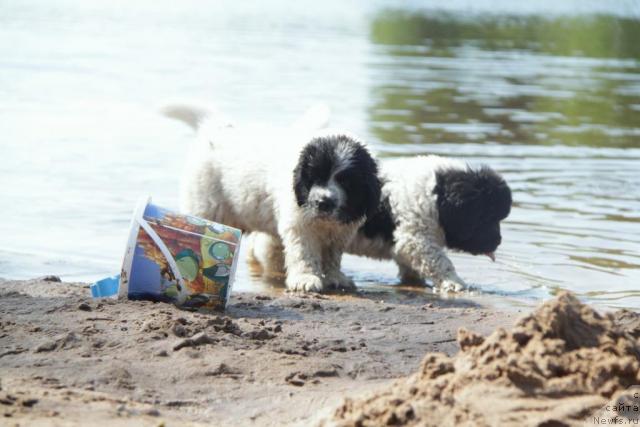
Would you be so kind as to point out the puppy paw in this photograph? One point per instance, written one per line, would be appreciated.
(412, 279)
(450, 285)
(304, 283)
(339, 281)
(409, 276)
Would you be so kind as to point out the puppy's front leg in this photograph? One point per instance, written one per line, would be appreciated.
(429, 260)
(409, 276)
(333, 276)
(303, 261)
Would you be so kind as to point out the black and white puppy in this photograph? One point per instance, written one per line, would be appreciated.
(310, 190)
(428, 204)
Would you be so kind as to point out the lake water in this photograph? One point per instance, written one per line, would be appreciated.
(547, 93)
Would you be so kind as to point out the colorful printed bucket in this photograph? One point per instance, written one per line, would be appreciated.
(178, 258)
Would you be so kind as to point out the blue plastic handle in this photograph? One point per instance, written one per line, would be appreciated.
(106, 287)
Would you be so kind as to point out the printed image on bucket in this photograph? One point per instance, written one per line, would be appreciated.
(179, 258)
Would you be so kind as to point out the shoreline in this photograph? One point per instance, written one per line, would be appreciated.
(270, 359)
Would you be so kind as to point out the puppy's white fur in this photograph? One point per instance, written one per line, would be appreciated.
(243, 177)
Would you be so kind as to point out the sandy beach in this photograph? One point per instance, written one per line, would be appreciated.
(270, 359)
(332, 360)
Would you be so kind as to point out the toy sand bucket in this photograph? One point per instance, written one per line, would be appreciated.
(177, 258)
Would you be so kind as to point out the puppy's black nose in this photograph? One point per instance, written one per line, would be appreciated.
(326, 204)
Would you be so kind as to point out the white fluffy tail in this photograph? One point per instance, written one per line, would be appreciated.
(314, 118)
(192, 115)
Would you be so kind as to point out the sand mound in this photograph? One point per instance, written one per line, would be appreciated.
(557, 366)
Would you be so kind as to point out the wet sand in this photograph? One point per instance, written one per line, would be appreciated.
(270, 359)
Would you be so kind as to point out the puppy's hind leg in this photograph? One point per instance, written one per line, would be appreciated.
(267, 253)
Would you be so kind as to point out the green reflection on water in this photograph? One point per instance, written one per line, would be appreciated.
(595, 36)
(572, 80)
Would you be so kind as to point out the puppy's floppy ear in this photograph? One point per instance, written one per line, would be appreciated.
(301, 183)
(314, 163)
(494, 191)
(373, 189)
(454, 201)
(372, 186)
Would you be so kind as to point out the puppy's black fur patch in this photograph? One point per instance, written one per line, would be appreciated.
(381, 224)
(357, 175)
(471, 204)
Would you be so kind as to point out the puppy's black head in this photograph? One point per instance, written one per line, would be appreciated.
(471, 204)
(336, 178)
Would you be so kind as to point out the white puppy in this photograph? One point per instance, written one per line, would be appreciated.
(309, 190)
(428, 204)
